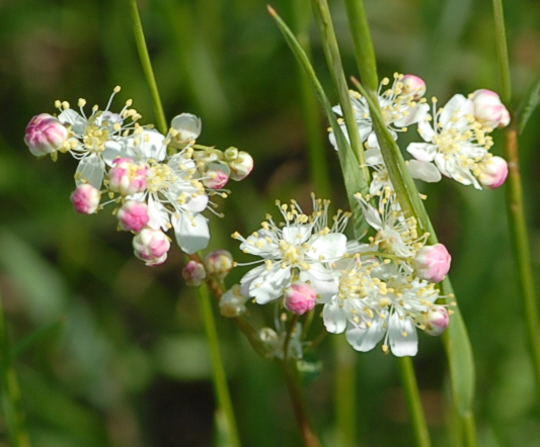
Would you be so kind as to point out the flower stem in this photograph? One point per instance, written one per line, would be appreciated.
(414, 402)
(10, 394)
(515, 206)
(299, 408)
(345, 390)
(219, 377)
(147, 66)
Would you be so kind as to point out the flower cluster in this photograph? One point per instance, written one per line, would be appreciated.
(382, 287)
(155, 182)
(456, 137)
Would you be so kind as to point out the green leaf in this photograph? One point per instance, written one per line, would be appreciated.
(527, 107)
(349, 163)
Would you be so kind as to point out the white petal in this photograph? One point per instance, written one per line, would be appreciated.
(159, 217)
(373, 157)
(296, 234)
(424, 170)
(151, 146)
(261, 243)
(331, 246)
(455, 112)
(334, 317)
(188, 125)
(372, 216)
(425, 130)
(365, 338)
(116, 149)
(91, 170)
(402, 336)
(422, 151)
(197, 204)
(270, 284)
(76, 121)
(191, 232)
(323, 280)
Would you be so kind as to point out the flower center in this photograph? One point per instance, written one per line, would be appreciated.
(160, 177)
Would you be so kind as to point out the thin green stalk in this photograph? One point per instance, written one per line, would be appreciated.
(219, 377)
(10, 393)
(345, 358)
(363, 46)
(414, 402)
(333, 58)
(515, 206)
(147, 66)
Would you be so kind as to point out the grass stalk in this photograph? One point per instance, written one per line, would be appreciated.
(10, 393)
(146, 64)
(515, 205)
(414, 403)
(218, 370)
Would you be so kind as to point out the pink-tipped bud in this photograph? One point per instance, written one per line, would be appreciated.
(44, 135)
(133, 216)
(413, 85)
(217, 175)
(493, 172)
(240, 162)
(433, 262)
(437, 320)
(232, 303)
(85, 199)
(151, 246)
(219, 263)
(300, 298)
(488, 108)
(194, 273)
(127, 177)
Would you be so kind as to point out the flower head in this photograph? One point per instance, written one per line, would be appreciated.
(300, 298)
(151, 246)
(45, 134)
(85, 199)
(433, 262)
(133, 216)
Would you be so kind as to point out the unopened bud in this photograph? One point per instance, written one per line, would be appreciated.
(437, 320)
(219, 263)
(433, 262)
(133, 216)
(127, 177)
(217, 175)
(242, 166)
(300, 298)
(194, 273)
(44, 134)
(151, 246)
(493, 172)
(488, 108)
(85, 199)
(232, 303)
(414, 86)
(186, 128)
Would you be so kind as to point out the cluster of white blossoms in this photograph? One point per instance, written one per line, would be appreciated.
(380, 288)
(155, 182)
(456, 137)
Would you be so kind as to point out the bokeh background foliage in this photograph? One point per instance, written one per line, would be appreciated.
(120, 357)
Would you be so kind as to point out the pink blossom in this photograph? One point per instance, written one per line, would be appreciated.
(493, 172)
(151, 246)
(194, 273)
(44, 134)
(437, 320)
(219, 263)
(300, 298)
(488, 108)
(133, 216)
(85, 199)
(217, 176)
(433, 262)
(127, 177)
(413, 85)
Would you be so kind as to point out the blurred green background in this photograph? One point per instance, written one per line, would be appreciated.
(123, 361)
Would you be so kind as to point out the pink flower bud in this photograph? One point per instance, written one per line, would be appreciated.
(219, 263)
(300, 298)
(217, 176)
(241, 166)
(194, 273)
(151, 246)
(437, 320)
(433, 262)
(133, 216)
(493, 172)
(488, 108)
(413, 85)
(232, 303)
(85, 199)
(127, 177)
(44, 134)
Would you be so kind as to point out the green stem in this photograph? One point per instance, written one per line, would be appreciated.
(147, 66)
(414, 402)
(515, 206)
(10, 391)
(345, 389)
(219, 377)
(469, 428)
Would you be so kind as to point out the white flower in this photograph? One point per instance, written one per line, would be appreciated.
(455, 142)
(401, 107)
(306, 248)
